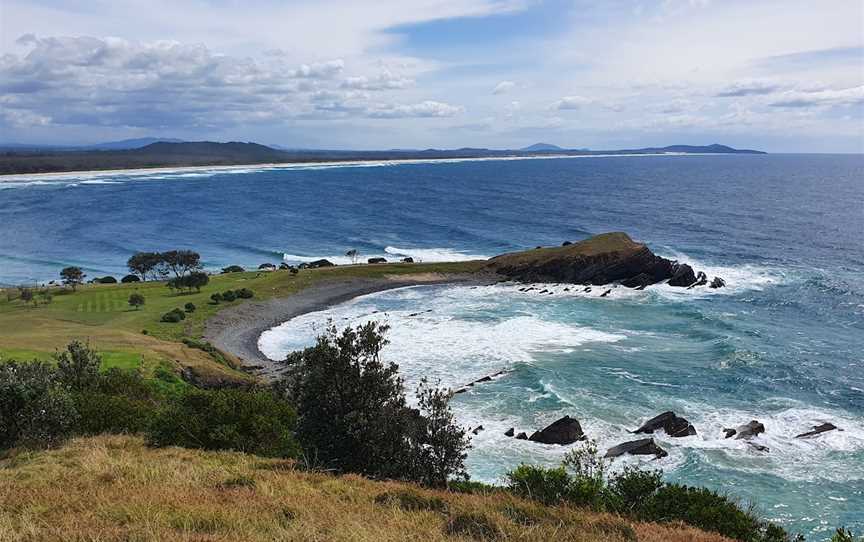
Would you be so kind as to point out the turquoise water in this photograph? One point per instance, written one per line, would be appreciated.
(782, 344)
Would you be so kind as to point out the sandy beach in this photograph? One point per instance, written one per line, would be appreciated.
(236, 329)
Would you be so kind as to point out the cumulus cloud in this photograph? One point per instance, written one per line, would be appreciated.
(425, 109)
(503, 87)
(385, 80)
(819, 98)
(168, 84)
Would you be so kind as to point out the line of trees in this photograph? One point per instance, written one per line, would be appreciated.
(161, 265)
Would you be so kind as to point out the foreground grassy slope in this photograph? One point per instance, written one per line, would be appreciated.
(100, 313)
(115, 488)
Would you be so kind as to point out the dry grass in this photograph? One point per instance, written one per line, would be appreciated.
(115, 488)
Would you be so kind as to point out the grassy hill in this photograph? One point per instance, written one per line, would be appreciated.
(111, 488)
(100, 313)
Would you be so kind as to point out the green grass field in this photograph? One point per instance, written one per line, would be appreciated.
(100, 314)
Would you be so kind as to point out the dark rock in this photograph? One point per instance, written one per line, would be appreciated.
(717, 283)
(639, 281)
(759, 447)
(408, 259)
(683, 275)
(818, 430)
(566, 243)
(607, 292)
(566, 289)
(377, 260)
(674, 425)
(701, 280)
(563, 431)
(746, 431)
(522, 436)
(484, 379)
(477, 429)
(645, 446)
(587, 289)
(510, 432)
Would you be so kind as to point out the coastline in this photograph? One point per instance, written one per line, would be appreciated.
(96, 173)
(236, 330)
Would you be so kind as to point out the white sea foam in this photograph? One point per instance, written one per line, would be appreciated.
(393, 254)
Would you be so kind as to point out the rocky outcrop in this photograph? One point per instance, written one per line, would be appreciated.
(701, 280)
(717, 283)
(746, 431)
(682, 276)
(818, 430)
(510, 432)
(671, 423)
(522, 436)
(602, 259)
(645, 446)
(566, 430)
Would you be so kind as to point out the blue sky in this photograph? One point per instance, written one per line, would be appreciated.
(776, 75)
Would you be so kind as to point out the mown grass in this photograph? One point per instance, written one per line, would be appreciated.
(100, 313)
(113, 488)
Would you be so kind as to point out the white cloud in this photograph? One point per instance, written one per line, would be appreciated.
(503, 87)
(424, 109)
(382, 81)
(819, 98)
(572, 102)
(319, 70)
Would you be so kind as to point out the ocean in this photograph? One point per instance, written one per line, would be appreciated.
(783, 343)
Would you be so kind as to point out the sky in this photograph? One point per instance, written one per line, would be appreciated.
(776, 75)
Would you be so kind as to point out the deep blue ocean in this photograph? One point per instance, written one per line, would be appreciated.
(783, 343)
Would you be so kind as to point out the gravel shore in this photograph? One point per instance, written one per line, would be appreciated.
(236, 329)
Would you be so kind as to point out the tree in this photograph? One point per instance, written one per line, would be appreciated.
(181, 262)
(353, 254)
(27, 295)
(72, 276)
(136, 300)
(144, 264)
(353, 417)
(197, 280)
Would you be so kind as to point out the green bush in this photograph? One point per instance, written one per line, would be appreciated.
(78, 366)
(252, 421)
(549, 486)
(844, 535)
(121, 401)
(631, 488)
(232, 269)
(174, 316)
(190, 307)
(36, 410)
(105, 280)
(130, 278)
(216, 298)
(229, 295)
(244, 293)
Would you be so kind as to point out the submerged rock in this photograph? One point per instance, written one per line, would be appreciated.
(566, 430)
(645, 446)
(717, 283)
(477, 429)
(674, 425)
(759, 447)
(510, 432)
(522, 436)
(818, 430)
(746, 431)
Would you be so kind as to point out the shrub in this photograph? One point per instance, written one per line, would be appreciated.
(252, 421)
(228, 295)
(174, 316)
(631, 488)
(216, 298)
(78, 366)
(411, 501)
(35, 409)
(244, 293)
(549, 486)
(105, 280)
(232, 269)
(844, 535)
(190, 307)
(136, 300)
(352, 413)
(130, 278)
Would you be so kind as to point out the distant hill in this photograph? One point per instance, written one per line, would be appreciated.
(541, 147)
(132, 143)
(208, 153)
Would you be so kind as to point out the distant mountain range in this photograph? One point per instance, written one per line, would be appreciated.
(159, 152)
(123, 144)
